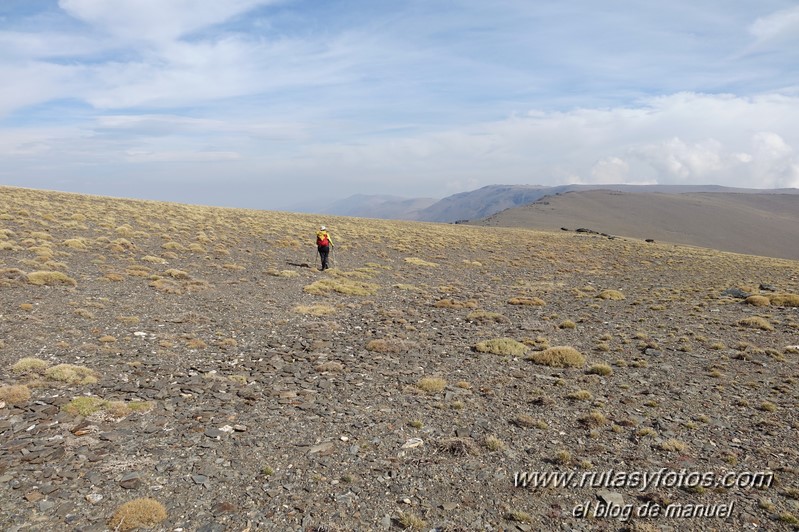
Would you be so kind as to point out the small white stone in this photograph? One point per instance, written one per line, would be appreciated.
(412, 442)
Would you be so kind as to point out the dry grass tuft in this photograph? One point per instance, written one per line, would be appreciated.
(50, 278)
(454, 303)
(613, 295)
(15, 394)
(166, 286)
(407, 287)
(347, 287)
(558, 357)
(595, 418)
(519, 516)
(76, 243)
(71, 374)
(420, 262)
(767, 406)
(784, 300)
(196, 343)
(138, 513)
(177, 274)
(84, 406)
(331, 366)
(410, 521)
(758, 301)
(12, 276)
(30, 365)
(529, 301)
(387, 345)
(315, 310)
(492, 443)
(501, 346)
(756, 322)
(431, 384)
(563, 457)
(528, 421)
(600, 369)
(173, 246)
(580, 395)
(283, 273)
(672, 445)
(485, 316)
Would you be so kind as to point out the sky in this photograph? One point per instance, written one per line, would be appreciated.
(292, 104)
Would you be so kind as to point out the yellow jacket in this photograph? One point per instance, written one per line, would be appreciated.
(321, 235)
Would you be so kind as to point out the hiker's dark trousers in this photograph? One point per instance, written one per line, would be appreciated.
(324, 251)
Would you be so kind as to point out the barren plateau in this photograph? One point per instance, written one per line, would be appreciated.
(176, 367)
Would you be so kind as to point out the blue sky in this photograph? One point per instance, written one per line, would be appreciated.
(278, 104)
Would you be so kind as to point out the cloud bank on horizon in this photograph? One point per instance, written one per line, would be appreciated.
(278, 103)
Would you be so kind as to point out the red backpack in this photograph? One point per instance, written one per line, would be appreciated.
(322, 240)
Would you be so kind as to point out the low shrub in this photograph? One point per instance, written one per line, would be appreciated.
(529, 301)
(71, 374)
(431, 384)
(30, 365)
(558, 357)
(613, 295)
(756, 322)
(502, 346)
(50, 278)
(15, 394)
(600, 369)
(784, 300)
(138, 513)
(758, 301)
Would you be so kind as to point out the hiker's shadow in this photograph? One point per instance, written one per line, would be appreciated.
(298, 264)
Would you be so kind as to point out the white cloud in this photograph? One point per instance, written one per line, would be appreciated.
(33, 83)
(684, 138)
(610, 170)
(161, 125)
(183, 74)
(141, 156)
(23, 46)
(678, 161)
(423, 98)
(681, 139)
(155, 20)
(779, 25)
(774, 161)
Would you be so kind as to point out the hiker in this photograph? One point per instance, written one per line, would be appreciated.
(323, 244)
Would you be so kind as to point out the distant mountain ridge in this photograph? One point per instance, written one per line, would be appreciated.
(491, 199)
(764, 223)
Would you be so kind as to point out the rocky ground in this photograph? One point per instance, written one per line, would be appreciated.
(216, 372)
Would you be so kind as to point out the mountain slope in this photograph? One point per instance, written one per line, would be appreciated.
(757, 224)
(190, 355)
(484, 201)
(488, 200)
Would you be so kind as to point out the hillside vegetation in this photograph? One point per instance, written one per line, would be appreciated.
(185, 367)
